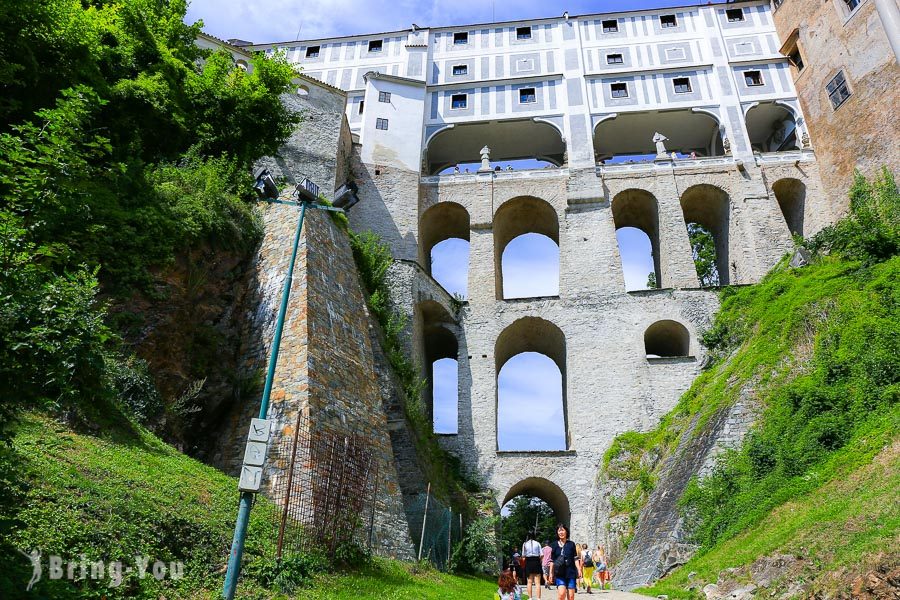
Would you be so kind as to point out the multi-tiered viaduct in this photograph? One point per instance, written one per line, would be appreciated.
(586, 95)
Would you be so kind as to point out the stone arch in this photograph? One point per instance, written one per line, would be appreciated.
(531, 334)
(772, 127)
(791, 196)
(547, 491)
(631, 133)
(518, 216)
(437, 342)
(709, 206)
(667, 338)
(639, 209)
(441, 222)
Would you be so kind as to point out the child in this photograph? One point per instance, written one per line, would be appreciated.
(508, 588)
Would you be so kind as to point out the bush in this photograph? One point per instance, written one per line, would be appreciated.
(477, 552)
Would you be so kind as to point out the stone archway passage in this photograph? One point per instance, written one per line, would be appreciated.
(547, 491)
(638, 209)
(667, 339)
(771, 127)
(709, 206)
(438, 343)
(519, 216)
(443, 221)
(791, 196)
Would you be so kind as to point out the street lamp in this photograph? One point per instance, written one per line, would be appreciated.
(257, 440)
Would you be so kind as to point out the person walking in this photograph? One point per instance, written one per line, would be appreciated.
(545, 562)
(601, 566)
(531, 550)
(587, 567)
(565, 565)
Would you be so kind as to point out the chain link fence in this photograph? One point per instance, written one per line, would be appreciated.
(435, 529)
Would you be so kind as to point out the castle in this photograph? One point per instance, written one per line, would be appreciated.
(650, 119)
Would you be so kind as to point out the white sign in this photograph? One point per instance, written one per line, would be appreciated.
(255, 454)
(251, 477)
(259, 430)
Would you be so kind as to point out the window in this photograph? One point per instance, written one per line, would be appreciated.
(610, 26)
(852, 4)
(618, 90)
(734, 14)
(381, 124)
(666, 21)
(682, 85)
(375, 45)
(460, 69)
(384, 96)
(461, 38)
(776, 3)
(753, 78)
(523, 33)
(459, 101)
(362, 106)
(796, 59)
(527, 96)
(837, 90)
(614, 59)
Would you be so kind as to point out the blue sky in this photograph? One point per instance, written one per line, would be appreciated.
(281, 20)
(530, 410)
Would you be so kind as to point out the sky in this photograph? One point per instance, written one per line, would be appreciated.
(285, 20)
(529, 383)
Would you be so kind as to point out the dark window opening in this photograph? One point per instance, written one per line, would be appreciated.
(527, 96)
(312, 52)
(667, 21)
(461, 38)
(523, 33)
(796, 59)
(375, 45)
(852, 4)
(384, 96)
(459, 101)
(610, 26)
(614, 59)
(837, 90)
(461, 70)
(752, 78)
(618, 90)
(362, 105)
(734, 14)
(682, 85)
(381, 124)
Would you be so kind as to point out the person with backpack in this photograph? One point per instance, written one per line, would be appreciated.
(565, 564)
(587, 567)
(531, 550)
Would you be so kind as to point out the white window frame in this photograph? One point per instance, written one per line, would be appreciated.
(690, 87)
(733, 11)
(533, 95)
(379, 46)
(521, 35)
(464, 70)
(842, 83)
(759, 72)
(465, 100)
(384, 97)
(381, 121)
(614, 29)
(612, 92)
(464, 38)
(610, 56)
(662, 24)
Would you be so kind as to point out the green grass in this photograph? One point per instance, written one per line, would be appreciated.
(114, 495)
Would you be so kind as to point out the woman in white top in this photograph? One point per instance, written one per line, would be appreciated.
(531, 550)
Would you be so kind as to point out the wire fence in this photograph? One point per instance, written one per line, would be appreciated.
(326, 492)
(434, 527)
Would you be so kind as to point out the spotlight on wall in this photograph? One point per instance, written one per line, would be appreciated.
(307, 190)
(265, 185)
(345, 196)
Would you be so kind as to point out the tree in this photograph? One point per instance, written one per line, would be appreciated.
(651, 281)
(703, 249)
(524, 512)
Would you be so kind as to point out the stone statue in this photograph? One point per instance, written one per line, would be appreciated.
(804, 140)
(658, 139)
(726, 145)
(485, 160)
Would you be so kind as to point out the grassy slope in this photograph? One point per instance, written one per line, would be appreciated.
(841, 510)
(114, 497)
